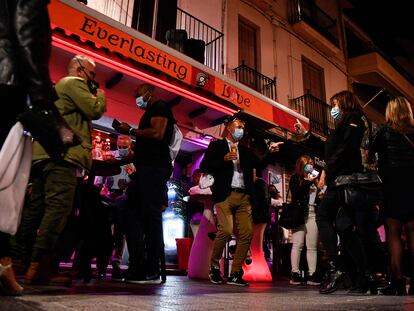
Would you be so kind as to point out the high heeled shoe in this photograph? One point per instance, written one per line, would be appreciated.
(395, 287)
(10, 287)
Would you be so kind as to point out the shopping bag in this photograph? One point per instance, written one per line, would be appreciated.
(15, 164)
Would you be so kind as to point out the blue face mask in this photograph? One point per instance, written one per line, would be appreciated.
(335, 113)
(238, 134)
(123, 152)
(141, 103)
(308, 168)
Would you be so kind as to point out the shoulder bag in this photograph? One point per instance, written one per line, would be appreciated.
(360, 189)
(15, 164)
(292, 215)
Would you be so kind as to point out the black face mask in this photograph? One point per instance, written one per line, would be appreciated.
(93, 86)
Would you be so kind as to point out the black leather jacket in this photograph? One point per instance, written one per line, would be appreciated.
(25, 44)
(343, 147)
(394, 151)
(300, 191)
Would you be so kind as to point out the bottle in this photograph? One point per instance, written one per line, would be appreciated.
(234, 149)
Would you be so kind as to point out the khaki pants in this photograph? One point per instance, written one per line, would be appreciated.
(45, 213)
(237, 205)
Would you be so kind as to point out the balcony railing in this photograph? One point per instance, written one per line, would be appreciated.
(256, 80)
(122, 11)
(119, 10)
(317, 111)
(197, 29)
(309, 12)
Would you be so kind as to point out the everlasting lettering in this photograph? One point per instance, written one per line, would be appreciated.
(136, 51)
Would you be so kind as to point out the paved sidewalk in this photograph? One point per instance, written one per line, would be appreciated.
(180, 293)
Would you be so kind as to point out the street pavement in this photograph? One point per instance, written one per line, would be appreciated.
(180, 293)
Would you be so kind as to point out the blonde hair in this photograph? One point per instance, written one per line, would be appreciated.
(399, 115)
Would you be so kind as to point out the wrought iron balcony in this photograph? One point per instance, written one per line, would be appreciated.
(317, 111)
(197, 29)
(309, 12)
(123, 12)
(256, 80)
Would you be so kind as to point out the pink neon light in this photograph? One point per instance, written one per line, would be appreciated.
(258, 270)
(60, 43)
(198, 142)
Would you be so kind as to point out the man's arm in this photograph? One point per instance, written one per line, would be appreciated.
(156, 131)
(269, 156)
(91, 106)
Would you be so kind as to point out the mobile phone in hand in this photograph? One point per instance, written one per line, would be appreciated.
(115, 123)
(314, 174)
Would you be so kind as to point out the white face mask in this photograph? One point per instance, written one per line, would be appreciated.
(123, 152)
(238, 134)
(335, 113)
(140, 102)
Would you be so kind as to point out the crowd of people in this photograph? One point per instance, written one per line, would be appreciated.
(62, 171)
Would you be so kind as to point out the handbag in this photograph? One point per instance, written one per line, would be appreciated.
(15, 164)
(292, 215)
(360, 189)
(175, 143)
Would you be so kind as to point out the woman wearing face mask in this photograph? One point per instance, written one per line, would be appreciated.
(303, 188)
(343, 156)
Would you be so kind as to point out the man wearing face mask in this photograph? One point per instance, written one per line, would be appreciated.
(232, 166)
(54, 180)
(117, 187)
(148, 193)
(117, 184)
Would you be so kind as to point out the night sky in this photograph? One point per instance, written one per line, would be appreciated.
(389, 23)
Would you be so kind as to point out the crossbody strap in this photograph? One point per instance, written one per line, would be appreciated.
(409, 140)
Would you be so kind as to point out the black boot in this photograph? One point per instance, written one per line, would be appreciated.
(395, 287)
(334, 278)
(365, 282)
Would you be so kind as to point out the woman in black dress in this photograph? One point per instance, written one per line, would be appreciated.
(394, 144)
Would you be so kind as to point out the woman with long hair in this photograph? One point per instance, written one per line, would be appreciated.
(394, 144)
(303, 188)
(343, 156)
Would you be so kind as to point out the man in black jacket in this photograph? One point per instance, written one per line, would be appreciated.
(148, 193)
(232, 166)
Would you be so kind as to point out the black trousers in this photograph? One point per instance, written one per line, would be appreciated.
(350, 240)
(146, 195)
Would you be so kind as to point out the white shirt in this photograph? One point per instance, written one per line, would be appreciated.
(237, 180)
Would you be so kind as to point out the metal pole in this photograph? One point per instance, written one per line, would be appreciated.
(375, 96)
(154, 19)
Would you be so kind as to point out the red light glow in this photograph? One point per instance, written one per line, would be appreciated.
(258, 270)
(131, 71)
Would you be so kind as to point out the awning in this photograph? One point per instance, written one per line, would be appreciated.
(218, 91)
